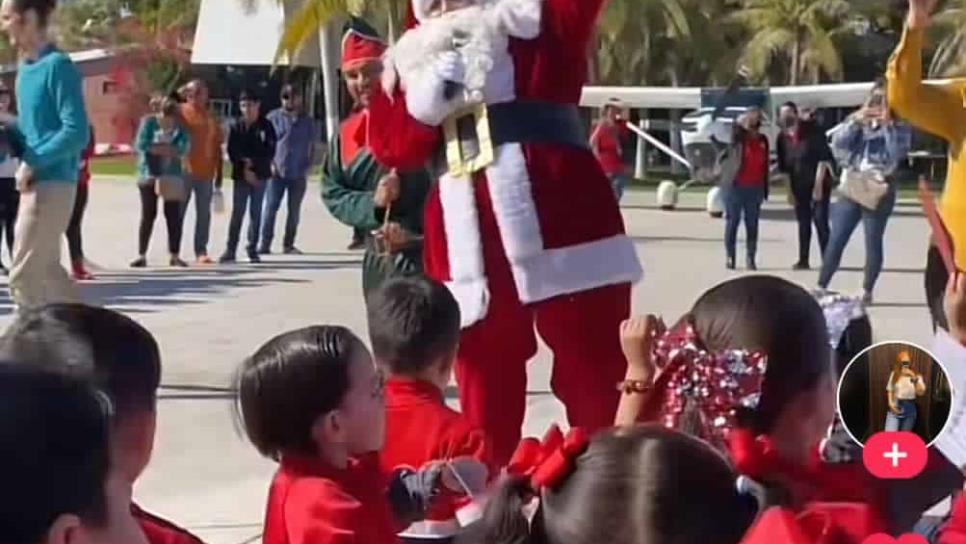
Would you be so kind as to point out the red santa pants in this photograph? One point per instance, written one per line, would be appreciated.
(582, 330)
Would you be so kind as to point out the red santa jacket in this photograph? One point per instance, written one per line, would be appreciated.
(420, 428)
(161, 531)
(311, 502)
(556, 218)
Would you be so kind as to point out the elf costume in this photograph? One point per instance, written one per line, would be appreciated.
(351, 174)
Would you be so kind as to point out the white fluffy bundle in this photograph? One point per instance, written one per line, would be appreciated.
(473, 32)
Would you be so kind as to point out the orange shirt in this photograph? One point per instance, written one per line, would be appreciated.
(204, 153)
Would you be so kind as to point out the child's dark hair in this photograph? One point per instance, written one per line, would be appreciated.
(289, 382)
(777, 317)
(54, 454)
(109, 349)
(413, 321)
(43, 8)
(632, 486)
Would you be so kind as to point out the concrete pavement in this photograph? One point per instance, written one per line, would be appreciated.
(205, 477)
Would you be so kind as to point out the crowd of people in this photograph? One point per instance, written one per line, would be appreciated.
(719, 428)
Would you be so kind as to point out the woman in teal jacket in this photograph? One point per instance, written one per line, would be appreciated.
(161, 144)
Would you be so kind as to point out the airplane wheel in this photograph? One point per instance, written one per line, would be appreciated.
(715, 202)
(667, 195)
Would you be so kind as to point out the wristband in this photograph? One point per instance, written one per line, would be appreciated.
(630, 387)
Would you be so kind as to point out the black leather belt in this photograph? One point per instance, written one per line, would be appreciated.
(523, 122)
(536, 123)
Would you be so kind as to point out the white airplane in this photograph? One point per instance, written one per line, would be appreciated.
(713, 112)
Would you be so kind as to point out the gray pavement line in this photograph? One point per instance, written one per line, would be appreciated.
(217, 526)
(251, 539)
(193, 387)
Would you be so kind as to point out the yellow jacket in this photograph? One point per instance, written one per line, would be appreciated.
(939, 110)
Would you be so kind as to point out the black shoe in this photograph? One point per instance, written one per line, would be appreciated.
(140, 262)
(356, 245)
(227, 258)
(750, 264)
(293, 251)
(730, 263)
(176, 262)
(4, 271)
(264, 250)
(801, 265)
(254, 258)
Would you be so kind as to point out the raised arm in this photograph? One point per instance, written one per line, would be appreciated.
(637, 340)
(937, 109)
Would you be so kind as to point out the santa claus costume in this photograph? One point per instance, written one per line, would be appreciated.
(534, 238)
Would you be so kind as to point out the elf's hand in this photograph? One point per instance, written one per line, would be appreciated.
(387, 191)
(24, 177)
(465, 476)
(393, 237)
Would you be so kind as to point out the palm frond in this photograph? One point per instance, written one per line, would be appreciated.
(306, 22)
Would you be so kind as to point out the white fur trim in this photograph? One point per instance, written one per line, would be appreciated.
(473, 298)
(541, 273)
(520, 18)
(464, 248)
(513, 205)
(572, 269)
(432, 530)
(421, 9)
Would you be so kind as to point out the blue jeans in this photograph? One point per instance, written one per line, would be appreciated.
(618, 182)
(846, 215)
(251, 196)
(742, 201)
(202, 189)
(277, 187)
(905, 420)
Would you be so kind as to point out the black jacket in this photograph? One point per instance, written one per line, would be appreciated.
(800, 160)
(255, 142)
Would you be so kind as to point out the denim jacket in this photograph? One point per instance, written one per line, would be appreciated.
(861, 147)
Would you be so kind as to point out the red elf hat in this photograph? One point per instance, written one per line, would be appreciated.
(360, 44)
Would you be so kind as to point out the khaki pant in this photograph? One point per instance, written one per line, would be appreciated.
(36, 276)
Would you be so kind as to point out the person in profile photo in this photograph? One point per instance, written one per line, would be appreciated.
(904, 386)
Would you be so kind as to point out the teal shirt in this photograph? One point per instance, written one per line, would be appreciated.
(52, 121)
(147, 137)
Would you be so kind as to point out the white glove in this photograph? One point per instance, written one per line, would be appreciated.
(450, 67)
(426, 97)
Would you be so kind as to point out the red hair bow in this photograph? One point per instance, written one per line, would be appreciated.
(547, 462)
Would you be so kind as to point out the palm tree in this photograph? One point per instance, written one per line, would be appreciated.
(630, 34)
(799, 31)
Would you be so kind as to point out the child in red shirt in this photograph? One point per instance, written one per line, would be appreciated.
(313, 400)
(414, 326)
(117, 356)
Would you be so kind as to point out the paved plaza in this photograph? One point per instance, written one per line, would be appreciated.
(207, 478)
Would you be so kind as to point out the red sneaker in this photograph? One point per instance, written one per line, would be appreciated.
(79, 273)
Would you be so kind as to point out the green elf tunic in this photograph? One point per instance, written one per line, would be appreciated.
(349, 179)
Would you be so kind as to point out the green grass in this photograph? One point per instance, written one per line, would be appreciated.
(118, 165)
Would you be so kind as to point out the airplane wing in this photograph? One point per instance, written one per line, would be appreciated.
(833, 95)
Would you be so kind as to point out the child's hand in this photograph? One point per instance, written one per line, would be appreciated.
(955, 306)
(638, 335)
(465, 476)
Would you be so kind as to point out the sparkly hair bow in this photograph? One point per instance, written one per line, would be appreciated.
(839, 310)
(715, 384)
(547, 462)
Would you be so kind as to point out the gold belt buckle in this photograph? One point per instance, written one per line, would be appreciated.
(469, 147)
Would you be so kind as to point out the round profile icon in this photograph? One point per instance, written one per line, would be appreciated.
(894, 386)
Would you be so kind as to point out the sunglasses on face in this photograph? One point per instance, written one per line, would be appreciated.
(286, 97)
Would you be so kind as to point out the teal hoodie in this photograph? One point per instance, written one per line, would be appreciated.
(52, 121)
